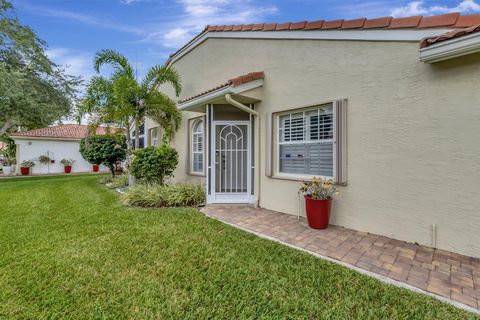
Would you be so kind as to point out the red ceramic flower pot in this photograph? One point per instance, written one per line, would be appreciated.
(25, 171)
(96, 167)
(67, 169)
(318, 212)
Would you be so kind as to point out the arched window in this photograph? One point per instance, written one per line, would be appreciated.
(197, 144)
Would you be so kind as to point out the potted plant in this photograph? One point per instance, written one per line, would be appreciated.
(43, 159)
(25, 167)
(96, 167)
(67, 165)
(318, 195)
(8, 166)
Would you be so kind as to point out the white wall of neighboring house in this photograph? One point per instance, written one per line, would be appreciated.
(31, 149)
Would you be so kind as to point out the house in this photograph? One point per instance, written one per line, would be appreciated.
(57, 143)
(388, 108)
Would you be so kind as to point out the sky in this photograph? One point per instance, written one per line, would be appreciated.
(147, 31)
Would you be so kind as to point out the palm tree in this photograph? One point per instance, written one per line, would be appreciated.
(121, 98)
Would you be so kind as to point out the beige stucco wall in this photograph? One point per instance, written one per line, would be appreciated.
(413, 129)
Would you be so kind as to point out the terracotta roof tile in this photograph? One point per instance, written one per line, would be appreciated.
(335, 24)
(283, 26)
(65, 131)
(353, 24)
(468, 20)
(312, 25)
(269, 26)
(450, 20)
(449, 35)
(234, 82)
(298, 25)
(377, 23)
(258, 26)
(443, 20)
(247, 27)
(407, 22)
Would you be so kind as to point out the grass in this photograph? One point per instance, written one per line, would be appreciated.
(69, 250)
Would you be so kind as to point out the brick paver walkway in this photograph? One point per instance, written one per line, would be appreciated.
(443, 273)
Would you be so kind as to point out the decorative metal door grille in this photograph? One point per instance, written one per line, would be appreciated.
(231, 158)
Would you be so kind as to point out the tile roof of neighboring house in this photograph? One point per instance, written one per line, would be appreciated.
(64, 131)
(234, 82)
(449, 35)
(449, 20)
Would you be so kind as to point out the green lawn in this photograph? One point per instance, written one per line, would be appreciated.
(68, 250)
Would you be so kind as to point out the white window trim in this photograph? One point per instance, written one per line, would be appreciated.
(152, 139)
(191, 155)
(276, 131)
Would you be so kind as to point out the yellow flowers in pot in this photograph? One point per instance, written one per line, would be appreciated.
(319, 189)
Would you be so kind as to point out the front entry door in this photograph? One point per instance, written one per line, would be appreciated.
(231, 162)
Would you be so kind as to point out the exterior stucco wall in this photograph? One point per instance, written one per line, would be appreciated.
(413, 154)
(31, 149)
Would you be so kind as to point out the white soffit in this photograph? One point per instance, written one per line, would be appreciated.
(452, 48)
(346, 35)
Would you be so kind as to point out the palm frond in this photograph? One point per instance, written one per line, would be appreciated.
(158, 75)
(164, 111)
(115, 59)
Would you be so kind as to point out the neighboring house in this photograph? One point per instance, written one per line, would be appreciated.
(56, 142)
(356, 101)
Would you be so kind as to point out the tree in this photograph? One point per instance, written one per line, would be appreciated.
(122, 99)
(34, 92)
(104, 149)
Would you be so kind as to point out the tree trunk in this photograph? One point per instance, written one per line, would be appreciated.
(137, 134)
(128, 134)
(7, 125)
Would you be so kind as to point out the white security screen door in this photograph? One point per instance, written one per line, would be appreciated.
(231, 162)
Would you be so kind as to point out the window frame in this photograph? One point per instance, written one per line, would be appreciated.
(151, 138)
(191, 134)
(277, 140)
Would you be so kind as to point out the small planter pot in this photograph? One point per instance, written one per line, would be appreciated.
(67, 169)
(7, 170)
(318, 212)
(24, 171)
(96, 168)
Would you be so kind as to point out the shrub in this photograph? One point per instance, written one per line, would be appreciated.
(43, 159)
(153, 165)
(27, 164)
(8, 151)
(104, 149)
(105, 179)
(118, 182)
(67, 162)
(177, 195)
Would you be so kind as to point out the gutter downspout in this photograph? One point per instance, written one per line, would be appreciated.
(254, 113)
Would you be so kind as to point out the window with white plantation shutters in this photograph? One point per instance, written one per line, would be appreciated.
(306, 141)
(197, 143)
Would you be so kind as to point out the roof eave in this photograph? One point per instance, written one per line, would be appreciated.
(45, 138)
(205, 99)
(450, 49)
(406, 34)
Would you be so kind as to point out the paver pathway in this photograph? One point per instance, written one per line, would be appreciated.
(447, 274)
